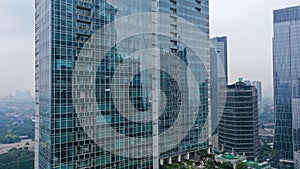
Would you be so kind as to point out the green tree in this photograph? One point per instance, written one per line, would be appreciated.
(241, 165)
(225, 165)
(210, 163)
(17, 159)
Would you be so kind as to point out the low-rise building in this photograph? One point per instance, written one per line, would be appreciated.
(23, 144)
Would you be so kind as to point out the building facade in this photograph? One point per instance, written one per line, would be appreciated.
(286, 54)
(99, 104)
(238, 128)
(297, 159)
(219, 77)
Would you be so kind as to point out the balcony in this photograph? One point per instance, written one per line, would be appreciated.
(83, 18)
(84, 4)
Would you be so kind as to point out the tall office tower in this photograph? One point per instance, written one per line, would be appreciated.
(260, 105)
(238, 128)
(286, 54)
(219, 77)
(220, 46)
(120, 83)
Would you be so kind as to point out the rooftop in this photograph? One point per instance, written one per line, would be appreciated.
(287, 14)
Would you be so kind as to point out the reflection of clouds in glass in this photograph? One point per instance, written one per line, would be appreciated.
(186, 68)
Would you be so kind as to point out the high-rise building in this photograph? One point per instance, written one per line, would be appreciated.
(118, 86)
(238, 128)
(260, 105)
(220, 47)
(219, 77)
(286, 68)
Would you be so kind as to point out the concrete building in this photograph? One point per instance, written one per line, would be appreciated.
(26, 144)
(266, 135)
(258, 86)
(238, 128)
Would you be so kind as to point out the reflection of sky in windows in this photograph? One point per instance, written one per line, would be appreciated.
(73, 24)
(286, 77)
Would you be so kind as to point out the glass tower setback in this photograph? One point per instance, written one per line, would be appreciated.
(286, 63)
(258, 86)
(108, 96)
(220, 45)
(219, 78)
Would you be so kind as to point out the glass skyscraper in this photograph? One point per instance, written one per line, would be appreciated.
(120, 83)
(286, 62)
(220, 47)
(219, 78)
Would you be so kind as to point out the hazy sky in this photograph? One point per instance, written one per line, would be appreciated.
(247, 23)
(16, 46)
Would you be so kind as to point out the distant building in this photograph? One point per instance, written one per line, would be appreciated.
(270, 125)
(266, 135)
(219, 77)
(286, 68)
(8, 98)
(27, 144)
(247, 82)
(23, 95)
(260, 105)
(238, 128)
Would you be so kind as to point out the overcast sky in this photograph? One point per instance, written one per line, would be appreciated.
(16, 46)
(246, 23)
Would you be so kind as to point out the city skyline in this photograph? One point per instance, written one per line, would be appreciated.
(248, 26)
(18, 72)
(150, 84)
